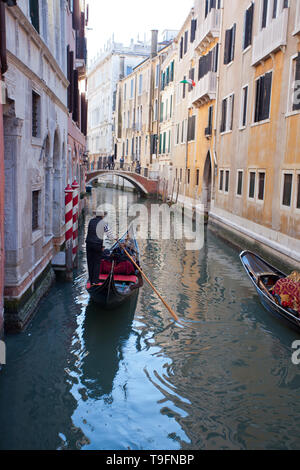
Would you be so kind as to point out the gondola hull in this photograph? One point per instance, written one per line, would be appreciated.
(115, 289)
(256, 267)
(110, 295)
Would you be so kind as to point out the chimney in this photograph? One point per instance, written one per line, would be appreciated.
(122, 67)
(154, 41)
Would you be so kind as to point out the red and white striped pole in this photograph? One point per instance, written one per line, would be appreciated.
(69, 230)
(75, 187)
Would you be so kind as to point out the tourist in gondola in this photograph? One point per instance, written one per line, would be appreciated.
(97, 229)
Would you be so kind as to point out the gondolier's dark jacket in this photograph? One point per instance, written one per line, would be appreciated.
(92, 237)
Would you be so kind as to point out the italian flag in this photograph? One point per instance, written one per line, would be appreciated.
(189, 81)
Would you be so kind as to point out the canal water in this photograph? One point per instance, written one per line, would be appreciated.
(79, 378)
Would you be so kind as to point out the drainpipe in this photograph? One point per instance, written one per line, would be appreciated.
(217, 107)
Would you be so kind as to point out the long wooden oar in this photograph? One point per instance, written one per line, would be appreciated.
(150, 284)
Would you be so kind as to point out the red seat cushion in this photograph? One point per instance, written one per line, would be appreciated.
(119, 278)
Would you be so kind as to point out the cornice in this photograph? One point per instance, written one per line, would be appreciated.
(33, 76)
(19, 16)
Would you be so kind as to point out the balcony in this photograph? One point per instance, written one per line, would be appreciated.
(208, 30)
(205, 90)
(297, 22)
(271, 38)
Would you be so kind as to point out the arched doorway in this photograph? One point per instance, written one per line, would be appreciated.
(57, 186)
(207, 185)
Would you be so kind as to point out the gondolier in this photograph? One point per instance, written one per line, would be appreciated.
(97, 229)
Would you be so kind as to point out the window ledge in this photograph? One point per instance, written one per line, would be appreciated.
(248, 48)
(226, 132)
(292, 113)
(260, 123)
(36, 235)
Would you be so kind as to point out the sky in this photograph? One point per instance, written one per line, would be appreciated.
(129, 18)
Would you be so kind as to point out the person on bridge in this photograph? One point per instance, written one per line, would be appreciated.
(97, 228)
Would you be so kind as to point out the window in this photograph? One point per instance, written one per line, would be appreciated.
(191, 128)
(287, 189)
(35, 209)
(244, 107)
(34, 14)
(193, 29)
(186, 37)
(240, 183)
(208, 130)
(36, 114)
(131, 88)
(157, 71)
(208, 62)
(188, 176)
(183, 89)
(263, 97)
(295, 85)
(192, 77)
(264, 14)
(181, 48)
(227, 114)
(229, 45)
(248, 26)
(197, 177)
(252, 178)
(226, 181)
(140, 84)
(221, 180)
(180, 174)
(155, 110)
(298, 192)
(261, 186)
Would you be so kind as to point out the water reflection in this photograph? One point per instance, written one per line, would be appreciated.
(82, 378)
(105, 334)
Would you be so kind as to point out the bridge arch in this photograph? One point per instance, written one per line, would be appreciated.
(145, 186)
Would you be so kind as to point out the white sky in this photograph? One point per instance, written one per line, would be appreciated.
(128, 18)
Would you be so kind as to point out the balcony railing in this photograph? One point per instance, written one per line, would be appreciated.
(208, 30)
(204, 90)
(271, 38)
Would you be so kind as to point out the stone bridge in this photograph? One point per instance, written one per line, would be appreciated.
(146, 186)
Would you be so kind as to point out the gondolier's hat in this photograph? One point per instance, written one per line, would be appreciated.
(100, 213)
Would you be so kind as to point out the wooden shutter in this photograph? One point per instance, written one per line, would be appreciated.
(224, 113)
(296, 106)
(232, 42)
(227, 46)
(267, 96)
(264, 14)
(3, 58)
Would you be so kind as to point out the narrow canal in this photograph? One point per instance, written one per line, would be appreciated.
(81, 379)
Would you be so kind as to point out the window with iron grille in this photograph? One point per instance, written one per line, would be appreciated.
(35, 209)
(36, 114)
(240, 183)
(287, 189)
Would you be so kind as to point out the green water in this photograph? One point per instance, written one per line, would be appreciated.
(79, 378)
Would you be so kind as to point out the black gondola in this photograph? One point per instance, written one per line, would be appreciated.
(115, 288)
(264, 276)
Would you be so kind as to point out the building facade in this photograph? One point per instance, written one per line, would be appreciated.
(77, 100)
(257, 130)
(104, 73)
(35, 135)
(230, 138)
